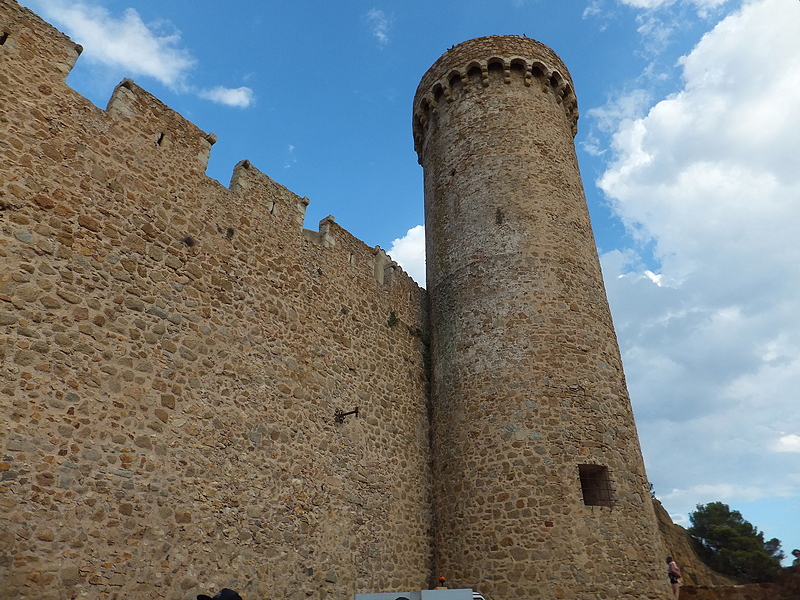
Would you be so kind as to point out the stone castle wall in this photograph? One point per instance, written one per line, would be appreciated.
(173, 356)
(180, 362)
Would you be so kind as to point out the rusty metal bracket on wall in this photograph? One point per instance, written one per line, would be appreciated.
(339, 416)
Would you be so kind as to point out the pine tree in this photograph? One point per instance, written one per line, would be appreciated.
(729, 544)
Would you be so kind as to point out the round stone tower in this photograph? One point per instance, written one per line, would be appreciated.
(540, 488)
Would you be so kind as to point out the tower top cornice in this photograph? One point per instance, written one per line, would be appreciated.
(537, 62)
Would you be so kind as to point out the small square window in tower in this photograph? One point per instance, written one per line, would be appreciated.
(595, 485)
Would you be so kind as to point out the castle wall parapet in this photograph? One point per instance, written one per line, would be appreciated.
(151, 129)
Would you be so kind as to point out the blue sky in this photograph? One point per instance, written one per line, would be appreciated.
(689, 149)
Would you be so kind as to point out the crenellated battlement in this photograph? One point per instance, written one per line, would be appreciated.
(508, 60)
(47, 52)
(154, 132)
(137, 142)
(255, 191)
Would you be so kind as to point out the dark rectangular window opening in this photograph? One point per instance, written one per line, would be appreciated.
(595, 484)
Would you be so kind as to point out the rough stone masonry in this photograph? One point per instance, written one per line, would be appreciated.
(182, 361)
(539, 485)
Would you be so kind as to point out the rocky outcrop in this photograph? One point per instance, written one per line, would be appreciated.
(786, 588)
(677, 544)
(702, 583)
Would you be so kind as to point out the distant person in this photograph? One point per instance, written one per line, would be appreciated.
(796, 561)
(223, 594)
(674, 573)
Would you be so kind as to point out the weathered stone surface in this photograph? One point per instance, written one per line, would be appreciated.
(182, 362)
(172, 357)
(533, 431)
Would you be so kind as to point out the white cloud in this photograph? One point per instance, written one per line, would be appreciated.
(240, 97)
(134, 48)
(661, 21)
(788, 443)
(593, 9)
(624, 108)
(713, 493)
(647, 4)
(709, 177)
(409, 252)
(126, 41)
(701, 5)
(379, 23)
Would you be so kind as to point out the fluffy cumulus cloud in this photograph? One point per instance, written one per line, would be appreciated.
(124, 41)
(409, 252)
(708, 181)
(128, 44)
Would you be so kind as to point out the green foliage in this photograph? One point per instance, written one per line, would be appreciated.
(393, 320)
(732, 546)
